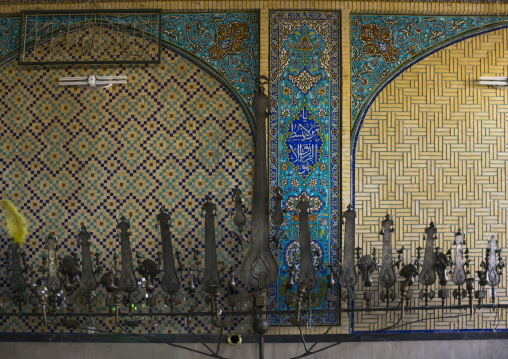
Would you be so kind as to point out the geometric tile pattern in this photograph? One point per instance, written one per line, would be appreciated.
(304, 140)
(381, 45)
(169, 137)
(433, 147)
(229, 43)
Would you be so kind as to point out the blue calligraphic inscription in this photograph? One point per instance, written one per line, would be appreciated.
(304, 142)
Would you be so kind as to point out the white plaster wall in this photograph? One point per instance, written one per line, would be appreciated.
(478, 349)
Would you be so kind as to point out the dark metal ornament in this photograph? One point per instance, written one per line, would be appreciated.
(128, 281)
(69, 267)
(442, 263)
(17, 281)
(330, 284)
(307, 274)
(427, 275)
(148, 269)
(386, 297)
(232, 288)
(111, 281)
(367, 266)
(409, 271)
(427, 295)
(211, 279)
(493, 278)
(348, 276)
(289, 284)
(259, 268)
(53, 282)
(387, 276)
(15, 262)
(459, 273)
(278, 215)
(88, 280)
(170, 280)
(239, 219)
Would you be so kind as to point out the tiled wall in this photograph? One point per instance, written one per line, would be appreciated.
(373, 177)
(169, 137)
(433, 148)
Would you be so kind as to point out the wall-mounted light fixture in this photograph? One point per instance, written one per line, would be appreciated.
(496, 81)
(93, 82)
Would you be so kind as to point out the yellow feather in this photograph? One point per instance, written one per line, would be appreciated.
(16, 223)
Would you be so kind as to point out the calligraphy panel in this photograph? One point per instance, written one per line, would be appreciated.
(304, 143)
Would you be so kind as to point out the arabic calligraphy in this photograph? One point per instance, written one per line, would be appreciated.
(304, 142)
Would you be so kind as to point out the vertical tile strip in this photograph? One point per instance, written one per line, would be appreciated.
(305, 138)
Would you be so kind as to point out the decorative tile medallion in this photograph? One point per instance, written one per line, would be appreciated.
(227, 42)
(304, 140)
(383, 45)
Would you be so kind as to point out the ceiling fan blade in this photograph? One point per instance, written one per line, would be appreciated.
(493, 83)
(111, 77)
(73, 83)
(493, 78)
(110, 82)
(72, 78)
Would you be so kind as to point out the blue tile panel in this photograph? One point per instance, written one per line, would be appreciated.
(304, 139)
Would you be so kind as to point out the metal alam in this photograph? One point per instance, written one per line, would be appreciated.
(39, 293)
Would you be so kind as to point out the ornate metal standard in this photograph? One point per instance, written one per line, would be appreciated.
(259, 268)
(128, 281)
(459, 275)
(348, 276)
(387, 274)
(15, 262)
(53, 282)
(428, 274)
(170, 281)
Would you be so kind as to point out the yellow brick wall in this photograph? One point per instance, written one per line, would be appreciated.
(434, 146)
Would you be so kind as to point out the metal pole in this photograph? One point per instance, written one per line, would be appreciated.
(261, 347)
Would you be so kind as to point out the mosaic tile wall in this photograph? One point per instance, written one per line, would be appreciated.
(304, 130)
(382, 47)
(169, 137)
(433, 147)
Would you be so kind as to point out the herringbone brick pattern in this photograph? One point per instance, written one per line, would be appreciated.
(434, 147)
